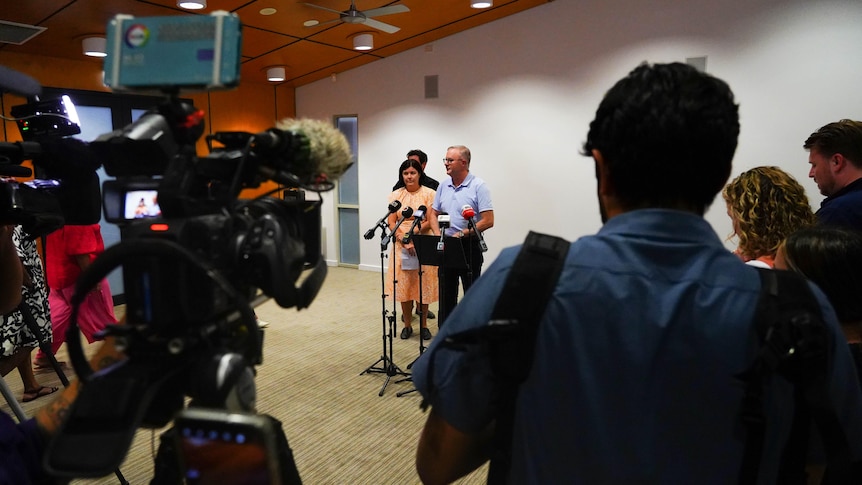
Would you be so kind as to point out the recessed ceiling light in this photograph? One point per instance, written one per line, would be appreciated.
(310, 23)
(192, 4)
(94, 46)
(268, 11)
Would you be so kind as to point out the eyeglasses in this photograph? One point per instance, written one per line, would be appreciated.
(447, 161)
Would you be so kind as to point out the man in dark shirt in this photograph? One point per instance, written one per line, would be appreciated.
(424, 180)
(836, 166)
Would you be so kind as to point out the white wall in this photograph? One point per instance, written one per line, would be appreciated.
(521, 92)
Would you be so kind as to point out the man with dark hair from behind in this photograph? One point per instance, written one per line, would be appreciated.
(633, 376)
(835, 156)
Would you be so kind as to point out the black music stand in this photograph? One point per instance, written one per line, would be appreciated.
(431, 253)
(450, 256)
(426, 252)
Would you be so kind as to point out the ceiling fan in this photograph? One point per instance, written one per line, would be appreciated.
(353, 16)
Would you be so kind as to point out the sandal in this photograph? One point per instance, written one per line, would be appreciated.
(42, 391)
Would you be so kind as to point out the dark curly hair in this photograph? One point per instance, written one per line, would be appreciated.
(766, 204)
(667, 133)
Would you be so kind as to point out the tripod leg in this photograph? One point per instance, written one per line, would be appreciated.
(404, 393)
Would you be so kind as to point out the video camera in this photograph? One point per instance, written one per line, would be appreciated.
(69, 193)
(195, 258)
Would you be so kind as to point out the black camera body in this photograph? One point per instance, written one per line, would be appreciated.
(43, 205)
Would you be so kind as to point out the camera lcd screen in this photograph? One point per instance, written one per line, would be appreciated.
(216, 453)
(141, 204)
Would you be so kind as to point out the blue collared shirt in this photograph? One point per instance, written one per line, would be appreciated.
(633, 379)
(473, 191)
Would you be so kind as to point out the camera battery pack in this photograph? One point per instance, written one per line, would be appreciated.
(189, 52)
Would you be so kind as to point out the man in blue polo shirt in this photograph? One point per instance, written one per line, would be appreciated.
(461, 190)
(636, 364)
(835, 156)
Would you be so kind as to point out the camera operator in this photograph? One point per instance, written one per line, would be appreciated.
(22, 445)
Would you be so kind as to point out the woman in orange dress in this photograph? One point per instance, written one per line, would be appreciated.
(403, 266)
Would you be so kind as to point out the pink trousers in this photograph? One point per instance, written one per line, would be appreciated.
(94, 314)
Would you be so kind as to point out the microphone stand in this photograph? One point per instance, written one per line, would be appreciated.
(387, 366)
(472, 225)
(441, 275)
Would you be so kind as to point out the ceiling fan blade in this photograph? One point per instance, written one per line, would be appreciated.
(322, 8)
(389, 29)
(378, 12)
(324, 23)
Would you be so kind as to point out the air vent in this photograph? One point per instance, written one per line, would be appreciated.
(431, 87)
(15, 33)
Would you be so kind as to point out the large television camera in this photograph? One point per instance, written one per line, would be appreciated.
(68, 189)
(195, 259)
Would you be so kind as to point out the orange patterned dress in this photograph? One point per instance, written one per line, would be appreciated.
(407, 286)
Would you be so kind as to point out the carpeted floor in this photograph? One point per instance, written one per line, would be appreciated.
(340, 430)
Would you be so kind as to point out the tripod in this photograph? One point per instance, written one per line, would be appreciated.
(387, 366)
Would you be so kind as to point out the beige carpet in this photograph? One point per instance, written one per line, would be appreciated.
(340, 430)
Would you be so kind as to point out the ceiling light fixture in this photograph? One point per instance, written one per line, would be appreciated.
(94, 46)
(192, 4)
(275, 74)
(481, 3)
(363, 42)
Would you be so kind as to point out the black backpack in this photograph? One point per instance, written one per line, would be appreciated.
(794, 345)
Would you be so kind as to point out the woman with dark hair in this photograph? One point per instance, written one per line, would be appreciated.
(831, 258)
(404, 260)
(766, 204)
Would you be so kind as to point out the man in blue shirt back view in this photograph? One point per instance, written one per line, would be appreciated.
(634, 379)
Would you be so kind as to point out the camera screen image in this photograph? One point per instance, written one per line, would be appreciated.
(140, 204)
(213, 452)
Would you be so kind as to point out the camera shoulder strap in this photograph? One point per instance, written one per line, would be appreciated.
(517, 313)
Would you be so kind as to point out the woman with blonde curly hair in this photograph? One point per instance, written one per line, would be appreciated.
(766, 204)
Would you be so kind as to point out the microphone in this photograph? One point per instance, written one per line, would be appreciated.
(418, 214)
(404, 215)
(468, 213)
(314, 151)
(18, 83)
(394, 206)
(442, 221)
